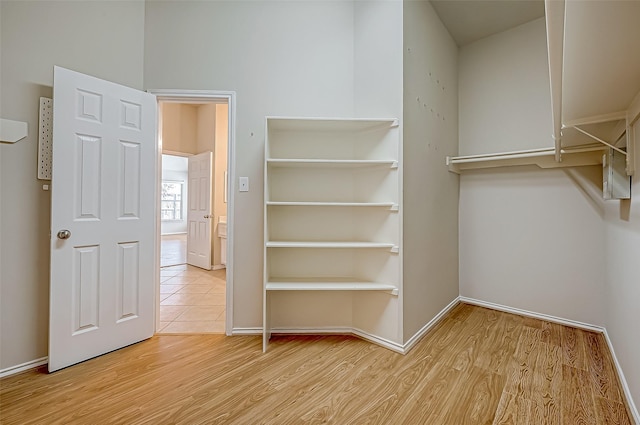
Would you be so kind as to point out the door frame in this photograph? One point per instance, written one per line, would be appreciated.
(208, 96)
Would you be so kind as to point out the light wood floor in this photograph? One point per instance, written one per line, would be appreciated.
(173, 250)
(478, 366)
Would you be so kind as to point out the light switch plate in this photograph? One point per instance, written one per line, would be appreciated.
(244, 184)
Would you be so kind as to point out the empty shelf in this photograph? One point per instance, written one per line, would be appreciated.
(296, 244)
(331, 163)
(390, 205)
(327, 284)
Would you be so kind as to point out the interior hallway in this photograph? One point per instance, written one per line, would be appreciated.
(192, 300)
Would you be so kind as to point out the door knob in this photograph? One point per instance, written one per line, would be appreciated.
(64, 234)
(207, 216)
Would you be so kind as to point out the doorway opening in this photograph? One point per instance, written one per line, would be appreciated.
(195, 138)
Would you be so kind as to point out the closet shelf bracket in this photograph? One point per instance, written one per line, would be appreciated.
(598, 139)
(12, 131)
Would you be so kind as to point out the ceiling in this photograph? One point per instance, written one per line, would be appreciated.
(471, 20)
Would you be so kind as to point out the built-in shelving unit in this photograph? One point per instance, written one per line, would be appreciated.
(331, 221)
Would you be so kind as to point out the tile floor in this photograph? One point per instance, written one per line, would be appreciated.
(192, 300)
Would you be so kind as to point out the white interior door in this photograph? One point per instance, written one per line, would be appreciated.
(103, 218)
(199, 213)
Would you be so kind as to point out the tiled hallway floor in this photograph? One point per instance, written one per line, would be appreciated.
(192, 300)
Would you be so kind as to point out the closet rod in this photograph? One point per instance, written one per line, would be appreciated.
(533, 153)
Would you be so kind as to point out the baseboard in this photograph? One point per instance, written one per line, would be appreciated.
(426, 328)
(393, 346)
(623, 382)
(573, 323)
(340, 330)
(541, 316)
(218, 267)
(24, 366)
(246, 331)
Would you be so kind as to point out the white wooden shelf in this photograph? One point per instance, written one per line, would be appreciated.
(330, 187)
(338, 245)
(330, 163)
(312, 124)
(12, 131)
(391, 205)
(543, 158)
(327, 284)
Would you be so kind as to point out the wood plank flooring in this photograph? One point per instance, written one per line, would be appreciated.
(477, 366)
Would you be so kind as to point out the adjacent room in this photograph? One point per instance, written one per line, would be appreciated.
(349, 211)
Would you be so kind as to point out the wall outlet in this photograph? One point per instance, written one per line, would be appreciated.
(244, 184)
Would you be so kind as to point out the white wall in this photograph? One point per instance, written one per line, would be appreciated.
(377, 39)
(534, 240)
(430, 214)
(529, 238)
(281, 58)
(505, 102)
(623, 280)
(104, 39)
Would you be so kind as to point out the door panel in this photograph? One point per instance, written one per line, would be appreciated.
(199, 213)
(103, 192)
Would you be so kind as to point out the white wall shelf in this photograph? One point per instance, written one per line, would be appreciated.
(331, 190)
(330, 163)
(12, 131)
(391, 205)
(339, 245)
(543, 158)
(327, 284)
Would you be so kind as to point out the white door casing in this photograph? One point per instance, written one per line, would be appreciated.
(102, 289)
(199, 212)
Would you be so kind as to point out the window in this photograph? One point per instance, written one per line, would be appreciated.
(171, 202)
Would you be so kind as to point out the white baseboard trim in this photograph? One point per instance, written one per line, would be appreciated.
(246, 331)
(24, 366)
(426, 328)
(341, 330)
(623, 382)
(218, 267)
(541, 316)
(383, 342)
(573, 323)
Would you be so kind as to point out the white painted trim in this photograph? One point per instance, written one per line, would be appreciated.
(541, 316)
(12, 370)
(426, 328)
(245, 331)
(211, 96)
(623, 382)
(218, 267)
(174, 153)
(393, 346)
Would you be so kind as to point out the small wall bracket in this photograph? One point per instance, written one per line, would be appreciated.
(12, 131)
